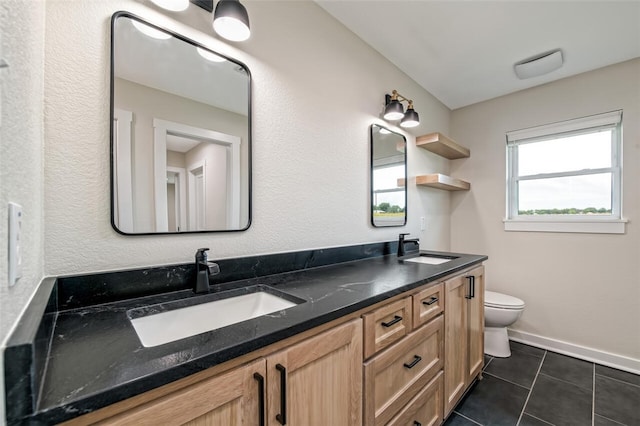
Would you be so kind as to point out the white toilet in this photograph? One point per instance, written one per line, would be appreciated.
(500, 311)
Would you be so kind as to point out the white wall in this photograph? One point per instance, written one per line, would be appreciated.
(21, 143)
(581, 289)
(316, 90)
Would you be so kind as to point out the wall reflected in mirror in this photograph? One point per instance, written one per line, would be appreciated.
(180, 144)
(388, 177)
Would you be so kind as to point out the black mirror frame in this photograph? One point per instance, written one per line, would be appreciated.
(111, 117)
(371, 130)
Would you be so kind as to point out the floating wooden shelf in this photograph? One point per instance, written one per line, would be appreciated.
(440, 181)
(442, 145)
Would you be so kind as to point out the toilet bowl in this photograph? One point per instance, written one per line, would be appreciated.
(500, 311)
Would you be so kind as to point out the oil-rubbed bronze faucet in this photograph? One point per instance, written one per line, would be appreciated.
(402, 241)
(204, 269)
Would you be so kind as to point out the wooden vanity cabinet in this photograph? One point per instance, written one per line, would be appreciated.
(464, 334)
(315, 382)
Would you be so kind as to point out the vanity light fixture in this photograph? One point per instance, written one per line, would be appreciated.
(172, 5)
(231, 20)
(394, 110)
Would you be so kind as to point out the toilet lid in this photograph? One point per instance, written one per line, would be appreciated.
(499, 300)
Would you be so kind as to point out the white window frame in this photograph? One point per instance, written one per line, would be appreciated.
(607, 224)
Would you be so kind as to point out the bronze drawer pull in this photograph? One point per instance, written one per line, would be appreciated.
(260, 381)
(430, 301)
(416, 359)
(395, 319)
(282, 417)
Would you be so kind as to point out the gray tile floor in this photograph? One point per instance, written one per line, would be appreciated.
(535, 387)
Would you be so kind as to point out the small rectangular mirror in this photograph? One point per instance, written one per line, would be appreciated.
(181, 133)
(388, 177)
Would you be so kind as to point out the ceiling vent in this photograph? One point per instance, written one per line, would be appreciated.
(539, 64)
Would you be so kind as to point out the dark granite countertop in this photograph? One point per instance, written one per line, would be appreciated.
(96, 359)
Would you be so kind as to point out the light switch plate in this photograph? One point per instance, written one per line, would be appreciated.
(15, 243)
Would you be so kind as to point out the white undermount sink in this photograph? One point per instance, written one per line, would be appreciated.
(160, 328)
(430, 260)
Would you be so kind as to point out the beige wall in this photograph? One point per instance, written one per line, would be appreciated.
(582, 289)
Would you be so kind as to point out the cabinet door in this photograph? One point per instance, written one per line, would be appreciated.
(455, 352)
(318, 382)
(230, 399)
(476, 323)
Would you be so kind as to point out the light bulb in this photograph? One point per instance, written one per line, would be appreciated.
(231, 29)
(172, 5)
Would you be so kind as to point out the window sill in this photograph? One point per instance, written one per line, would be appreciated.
(573, 226)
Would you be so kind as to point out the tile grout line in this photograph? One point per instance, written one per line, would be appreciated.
(593, 397)
(505, 380)
(540, 420)
(487, 364)
(567, 382)
(617, 380)
(611, 420)
(468, 418)
(531, 390)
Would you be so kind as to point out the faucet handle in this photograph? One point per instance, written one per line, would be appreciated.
(214, 268)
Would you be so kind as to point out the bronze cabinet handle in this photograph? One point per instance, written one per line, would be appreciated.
(395, 319)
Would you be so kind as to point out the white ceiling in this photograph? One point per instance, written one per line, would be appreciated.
(463, 52)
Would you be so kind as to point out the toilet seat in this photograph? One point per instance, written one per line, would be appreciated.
(501, 301)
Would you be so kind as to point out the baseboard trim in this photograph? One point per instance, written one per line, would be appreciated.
(581, 352)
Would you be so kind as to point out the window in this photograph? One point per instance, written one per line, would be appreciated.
(389, 197)
(566, 177)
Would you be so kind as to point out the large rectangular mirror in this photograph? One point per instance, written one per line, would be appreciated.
(388, 177)
(181, 133)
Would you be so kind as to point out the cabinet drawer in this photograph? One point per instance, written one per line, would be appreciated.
(425, 409)
(386, 325)
(427, 304)
(393, 377)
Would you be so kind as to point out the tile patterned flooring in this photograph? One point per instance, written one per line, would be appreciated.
(535, 387)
